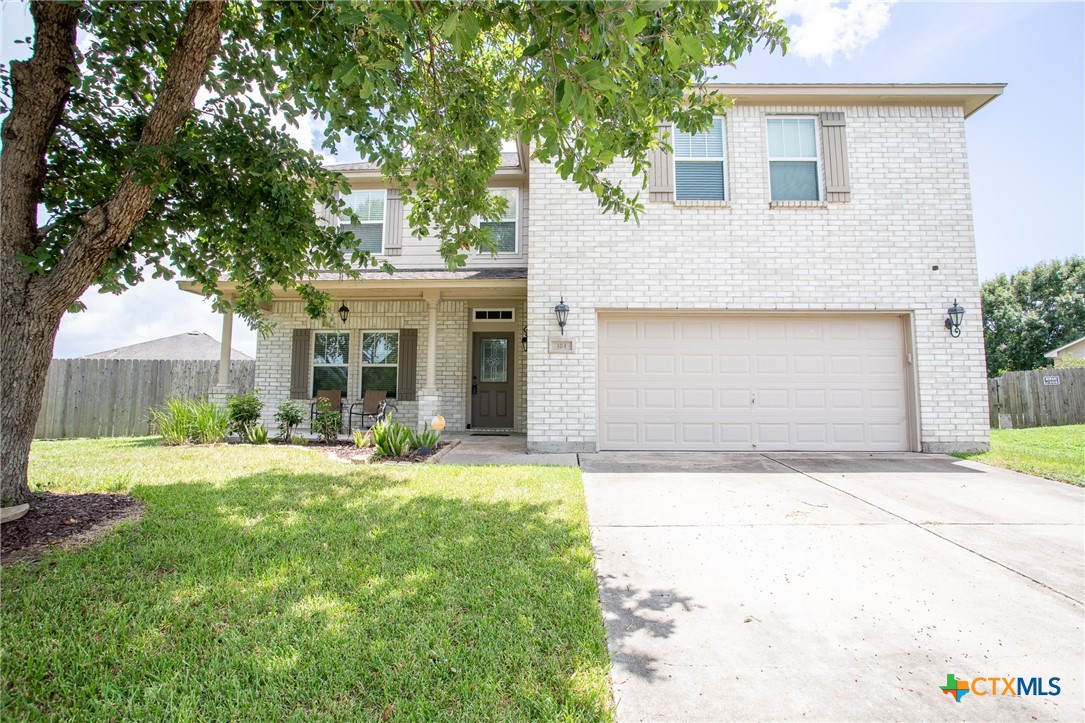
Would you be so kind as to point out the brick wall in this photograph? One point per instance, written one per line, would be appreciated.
(910, 210)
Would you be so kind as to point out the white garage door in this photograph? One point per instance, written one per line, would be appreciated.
(715, 382)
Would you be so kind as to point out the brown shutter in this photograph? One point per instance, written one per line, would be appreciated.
(393, 223)
(834, 147)
(299, 365)
(408, 365)
(661, 173)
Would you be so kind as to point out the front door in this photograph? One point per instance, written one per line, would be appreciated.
(491, 380)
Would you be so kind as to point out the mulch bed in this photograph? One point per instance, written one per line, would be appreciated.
(346, 450)
(56, 517)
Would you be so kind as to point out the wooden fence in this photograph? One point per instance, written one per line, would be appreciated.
(1040, 398)
(112, 397)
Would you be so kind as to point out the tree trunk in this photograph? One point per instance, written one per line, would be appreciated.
(25, 354)
(33, 302)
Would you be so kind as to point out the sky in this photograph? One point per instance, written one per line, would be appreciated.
(1026, 149)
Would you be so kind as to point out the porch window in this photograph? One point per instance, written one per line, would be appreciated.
(331, 356)
(505, 230)
(369, 231)
(380, 362)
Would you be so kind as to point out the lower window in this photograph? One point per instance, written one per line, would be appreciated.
(331, 356)
(380, 362)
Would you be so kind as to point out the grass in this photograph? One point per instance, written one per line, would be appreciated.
(1056, 453)
(275, 584)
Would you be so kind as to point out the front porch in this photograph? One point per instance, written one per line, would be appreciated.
(436, 342)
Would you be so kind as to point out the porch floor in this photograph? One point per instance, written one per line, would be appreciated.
(511, 449)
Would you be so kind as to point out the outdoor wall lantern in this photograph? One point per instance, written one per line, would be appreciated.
(343, 312)
(562, 312)
(954, 314)
(523, 339)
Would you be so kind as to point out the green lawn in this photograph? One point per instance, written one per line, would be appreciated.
(1056, 453)
(270, 583)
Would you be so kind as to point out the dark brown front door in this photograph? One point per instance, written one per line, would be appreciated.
(491, 379)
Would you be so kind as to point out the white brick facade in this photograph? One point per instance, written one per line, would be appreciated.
(274, 355)
(910, 210)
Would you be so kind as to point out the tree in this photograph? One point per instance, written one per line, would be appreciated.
(1032, 312)
(135, 174)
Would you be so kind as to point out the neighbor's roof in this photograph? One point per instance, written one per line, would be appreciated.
(1055, 352)
(191, 345)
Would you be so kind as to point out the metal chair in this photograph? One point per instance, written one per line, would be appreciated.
(335, 404)
(370, 407)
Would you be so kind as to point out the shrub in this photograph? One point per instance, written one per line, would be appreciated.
(289, 415)
(361, 438)
(426, 439)
(257, 434)
(181, 421)
(244, 412)
(391, 439)
(174, 421)
(211, 422)
(326, 423)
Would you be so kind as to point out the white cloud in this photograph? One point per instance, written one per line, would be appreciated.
(153, 309)
(821, 29)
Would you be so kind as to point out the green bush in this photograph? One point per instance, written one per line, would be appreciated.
(183, 421)
(391, 439)
(174, 421)
(289, 415)
(326, 423)
(244, 412)
(257, 434)
(425, 439)
(362, 438)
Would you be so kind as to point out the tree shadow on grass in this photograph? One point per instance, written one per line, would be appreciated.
(316, 596)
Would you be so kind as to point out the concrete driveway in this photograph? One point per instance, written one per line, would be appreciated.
(835, 587)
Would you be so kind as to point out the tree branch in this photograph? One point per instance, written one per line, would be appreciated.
(108, 225)
(40, 90)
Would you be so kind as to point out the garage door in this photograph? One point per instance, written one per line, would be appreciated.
(768, 382)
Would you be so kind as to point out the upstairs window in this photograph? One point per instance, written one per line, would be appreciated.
(369, 231)
(699, 165)
(793, 159)
(505, 230)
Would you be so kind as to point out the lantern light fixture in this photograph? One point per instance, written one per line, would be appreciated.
(343, 312)
(562, 312)
(954, 314)
(523, 338)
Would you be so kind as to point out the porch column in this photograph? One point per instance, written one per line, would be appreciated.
(222, 390)
(429, 398)
(431, 341)
(224, 351)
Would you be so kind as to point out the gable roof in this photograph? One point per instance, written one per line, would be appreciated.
(1055, 352)
(190, 345)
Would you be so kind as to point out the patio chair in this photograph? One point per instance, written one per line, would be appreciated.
(335, 402)
(370, 406)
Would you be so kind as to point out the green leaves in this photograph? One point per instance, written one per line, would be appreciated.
(429, 92)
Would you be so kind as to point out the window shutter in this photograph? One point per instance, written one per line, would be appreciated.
(393, 223)
(299, 364)
(834, 146)
(661, 172)
(408, 365)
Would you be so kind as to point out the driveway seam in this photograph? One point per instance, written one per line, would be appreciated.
(927, 530)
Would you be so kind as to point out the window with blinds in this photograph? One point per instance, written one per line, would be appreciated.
(504, 230)
(793, 159)
(699, 165)
(369, 230)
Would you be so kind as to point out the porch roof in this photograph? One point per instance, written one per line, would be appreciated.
(480, 282)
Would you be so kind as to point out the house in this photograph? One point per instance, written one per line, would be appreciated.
(190, 345)
(787, 288)
(1073, 350)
